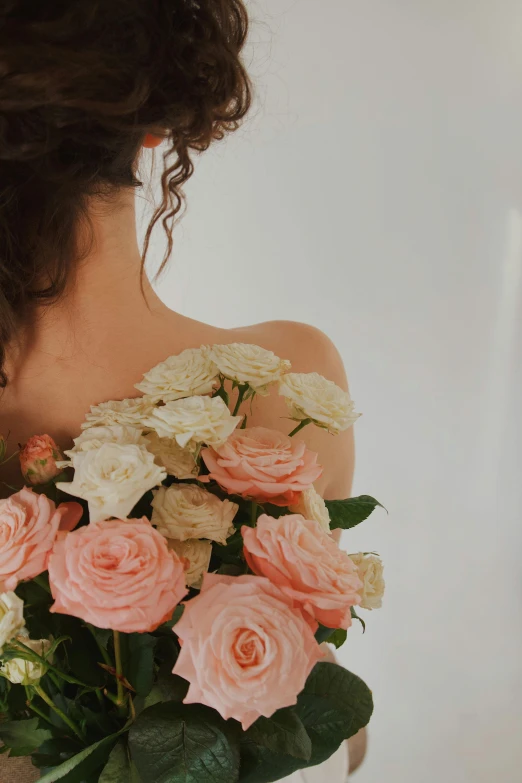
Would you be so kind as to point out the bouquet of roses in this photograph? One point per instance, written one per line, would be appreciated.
(166, 625)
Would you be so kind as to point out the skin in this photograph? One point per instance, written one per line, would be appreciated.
(96, 343)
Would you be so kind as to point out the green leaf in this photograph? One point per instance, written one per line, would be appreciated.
(330, 635)
(54, 752)
(231, 570)
(118, 768)
(348, 513)
(323, 634)
(338, 638)
(355, 616)
(231, 552)
(88, 762)
(168, 687)
(22, 737)
(102, 635)
(137, 651)
(282, 733)
(82, 656)
(184, 743)
(333, 706)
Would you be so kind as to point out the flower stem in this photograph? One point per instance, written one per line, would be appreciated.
(10, 486)
(56, 680)
(68, 721)
(14, 454)
(240, 394)
(36, 710)
(119, 671)
(300, 426)
(253, 514)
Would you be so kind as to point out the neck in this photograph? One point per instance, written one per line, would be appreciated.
(108, 298)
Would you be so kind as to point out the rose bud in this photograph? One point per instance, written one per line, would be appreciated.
(38, 459)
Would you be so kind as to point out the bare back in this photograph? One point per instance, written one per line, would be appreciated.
(53, 396)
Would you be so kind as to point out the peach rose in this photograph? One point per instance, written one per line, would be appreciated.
(38, 459)
(29, 524)
(264, 465)
(116, 574)
(304, 561)
(246, 650)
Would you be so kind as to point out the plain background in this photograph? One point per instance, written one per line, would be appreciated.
(376, 192)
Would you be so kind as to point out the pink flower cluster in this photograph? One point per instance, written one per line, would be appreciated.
(116, 574)
(248, 642)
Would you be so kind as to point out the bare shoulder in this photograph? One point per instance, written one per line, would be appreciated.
(309, 350)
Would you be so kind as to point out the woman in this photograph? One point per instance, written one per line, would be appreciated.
(84, 86)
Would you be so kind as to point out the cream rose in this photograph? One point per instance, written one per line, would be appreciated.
(94, 437)
(170, 455)
(194, 420)
(370, 570)
(11, 617)
(310, 396)
(130, 413)
(312, 506)
(196, 555)
(184, 511)
(22, 672)
(112, 479)
(190, 372)
(249, 364)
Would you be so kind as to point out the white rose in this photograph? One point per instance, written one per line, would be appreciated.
(113, 478)
(194, 420)
(249, 364)
(197, 554)
(168, 454)
(11, 617)
(310, 396)
(184, 511)
(130, 413)
(190, 372)
(22, 672)
(370, 569)
(312, 506)
(94, 437)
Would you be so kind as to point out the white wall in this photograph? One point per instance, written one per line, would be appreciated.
(376, 192)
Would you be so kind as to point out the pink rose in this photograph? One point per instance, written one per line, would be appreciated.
(29, 524)
(264, 465)
(246, 650)
(116, 574)
(38, 459)
(304, 561)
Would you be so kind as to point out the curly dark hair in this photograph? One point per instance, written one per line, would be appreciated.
(81, 83)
